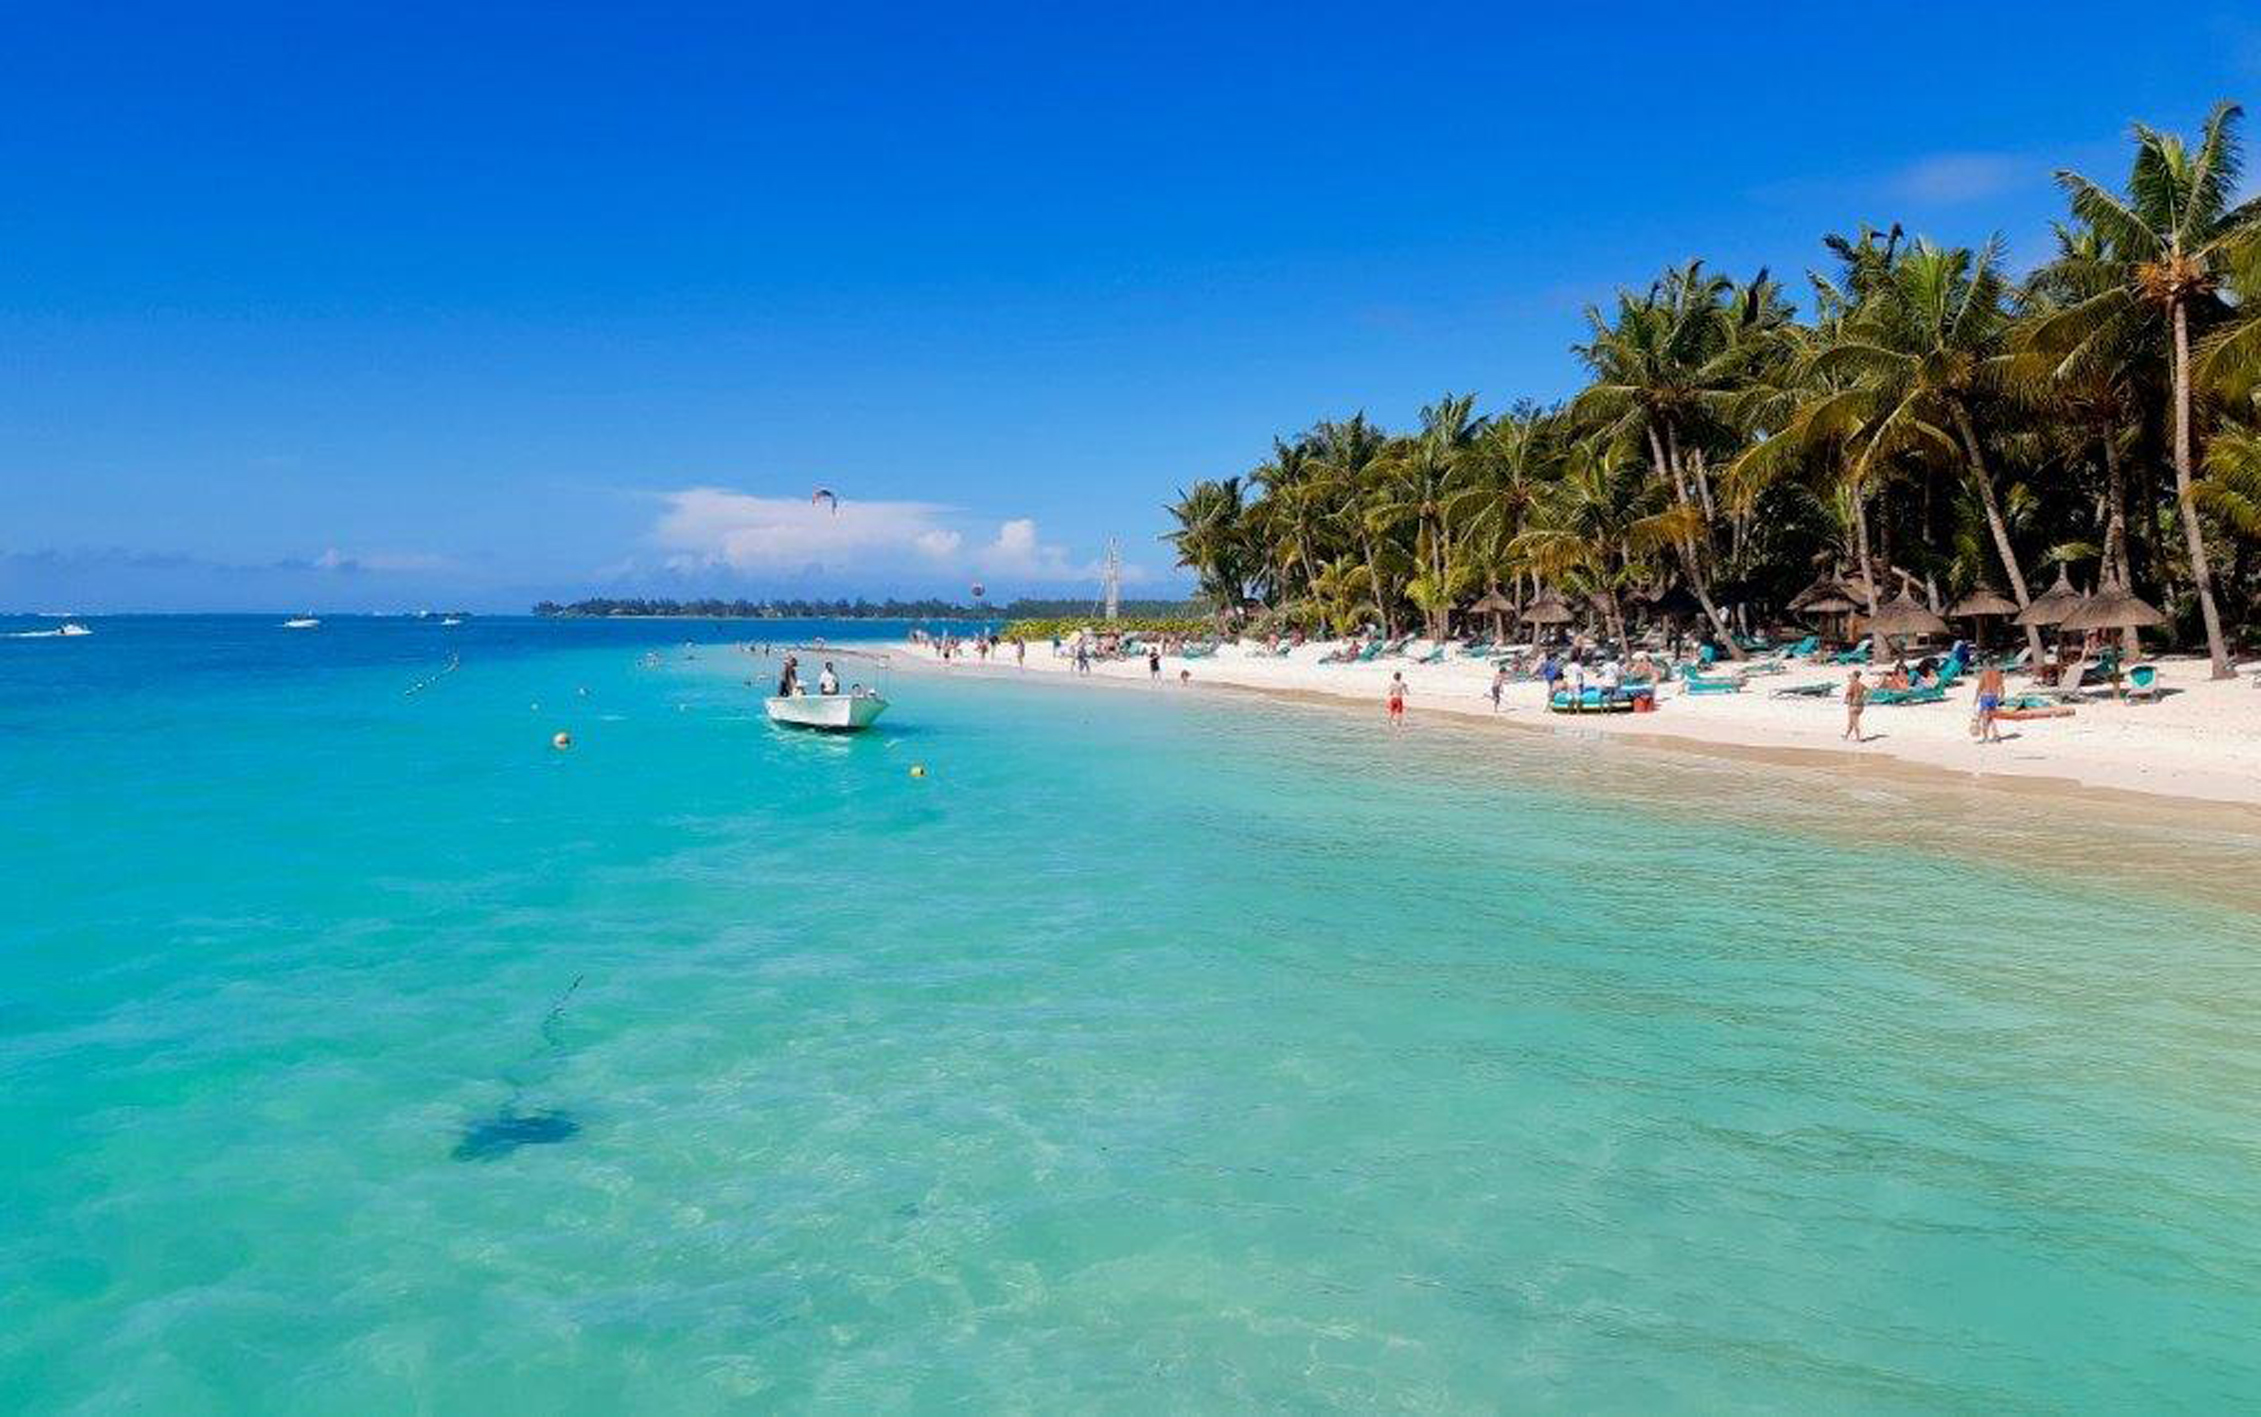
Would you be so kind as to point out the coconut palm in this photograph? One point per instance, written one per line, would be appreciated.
(2163, 249)
(1916, 363)
(1655, 381)
(1419, 479)
(1345, 452)
(1212, 542)
(1601, 526)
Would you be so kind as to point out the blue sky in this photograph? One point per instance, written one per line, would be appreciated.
(347, 307)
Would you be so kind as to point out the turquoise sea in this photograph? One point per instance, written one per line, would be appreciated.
(1159, 1050)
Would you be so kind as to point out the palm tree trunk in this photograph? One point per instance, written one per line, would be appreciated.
(1382, 607)
(1703, 485)
(1860, 545)
(1689, 562)
(1995, 524)
(2194, 534)
(2116, 532)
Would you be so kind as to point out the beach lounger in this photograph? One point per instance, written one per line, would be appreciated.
(1858, 654)
(1803, 648)
(1434, 656)
(1902, 697)
(1823, 690)
(2143, 683)
(1697, 684)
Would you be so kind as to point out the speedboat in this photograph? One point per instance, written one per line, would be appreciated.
(833, 713)
(302, 622)
(450, 622)
(73, 627)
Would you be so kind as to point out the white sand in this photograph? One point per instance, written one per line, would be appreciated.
(2201, 739)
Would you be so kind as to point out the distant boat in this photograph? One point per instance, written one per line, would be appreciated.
(73, 627)
(832, 713)
(302, 622)
(450, 620)
(70, 630)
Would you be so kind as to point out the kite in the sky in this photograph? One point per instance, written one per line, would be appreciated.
(825, 494)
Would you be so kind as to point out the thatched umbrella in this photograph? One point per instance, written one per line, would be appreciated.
(1982, 602)
(1498, 607)
(1903, 615)
(1548, 609)
(1829, 599)
(2053, 605)
(1823, 588)
(2115, 607)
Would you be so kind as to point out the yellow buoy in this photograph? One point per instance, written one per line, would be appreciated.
(918, 769)
(562, 740)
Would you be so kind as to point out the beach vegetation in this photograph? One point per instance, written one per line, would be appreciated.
(1918, 417)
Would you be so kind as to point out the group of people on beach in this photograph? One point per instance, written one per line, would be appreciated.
(947, 647)
(1987, 698)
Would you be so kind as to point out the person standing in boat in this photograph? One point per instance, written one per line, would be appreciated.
(789, 678)
(828, 682)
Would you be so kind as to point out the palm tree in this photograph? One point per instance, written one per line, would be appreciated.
(1654, 380)
(1212, 542)
(1345, 452)
(2163, 249)
(2096, 386)
(1287, 519)
(1420, 477)
(1915, 362)
(1598, 529)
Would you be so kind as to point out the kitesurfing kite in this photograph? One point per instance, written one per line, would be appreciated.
(825, 494)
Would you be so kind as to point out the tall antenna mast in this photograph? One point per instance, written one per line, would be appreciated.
(1112, 582)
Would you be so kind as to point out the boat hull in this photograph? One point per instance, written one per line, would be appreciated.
(826, 713)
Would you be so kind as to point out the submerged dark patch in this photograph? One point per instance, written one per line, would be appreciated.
(511, 1129)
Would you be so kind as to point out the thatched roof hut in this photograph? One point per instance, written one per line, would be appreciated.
(1983, 600)
(2053, 605)
(2115, 607)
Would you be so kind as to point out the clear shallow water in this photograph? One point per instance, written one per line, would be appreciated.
(1157, 1051)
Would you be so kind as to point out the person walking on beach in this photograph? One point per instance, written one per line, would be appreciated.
(1020, 653)
(1989, 704)
(1154, 663)
(1397, 699)
(1856, 699)
(1499, 686)
(1083, 659)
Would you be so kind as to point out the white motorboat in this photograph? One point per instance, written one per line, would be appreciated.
(73, 627)
(834, 713)
(302, 622)
(450, 623)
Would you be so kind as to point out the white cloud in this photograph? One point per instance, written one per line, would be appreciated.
(1943, 178)
(709, 528)
(397, 561)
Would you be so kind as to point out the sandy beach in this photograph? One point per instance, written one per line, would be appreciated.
(2200, 740)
